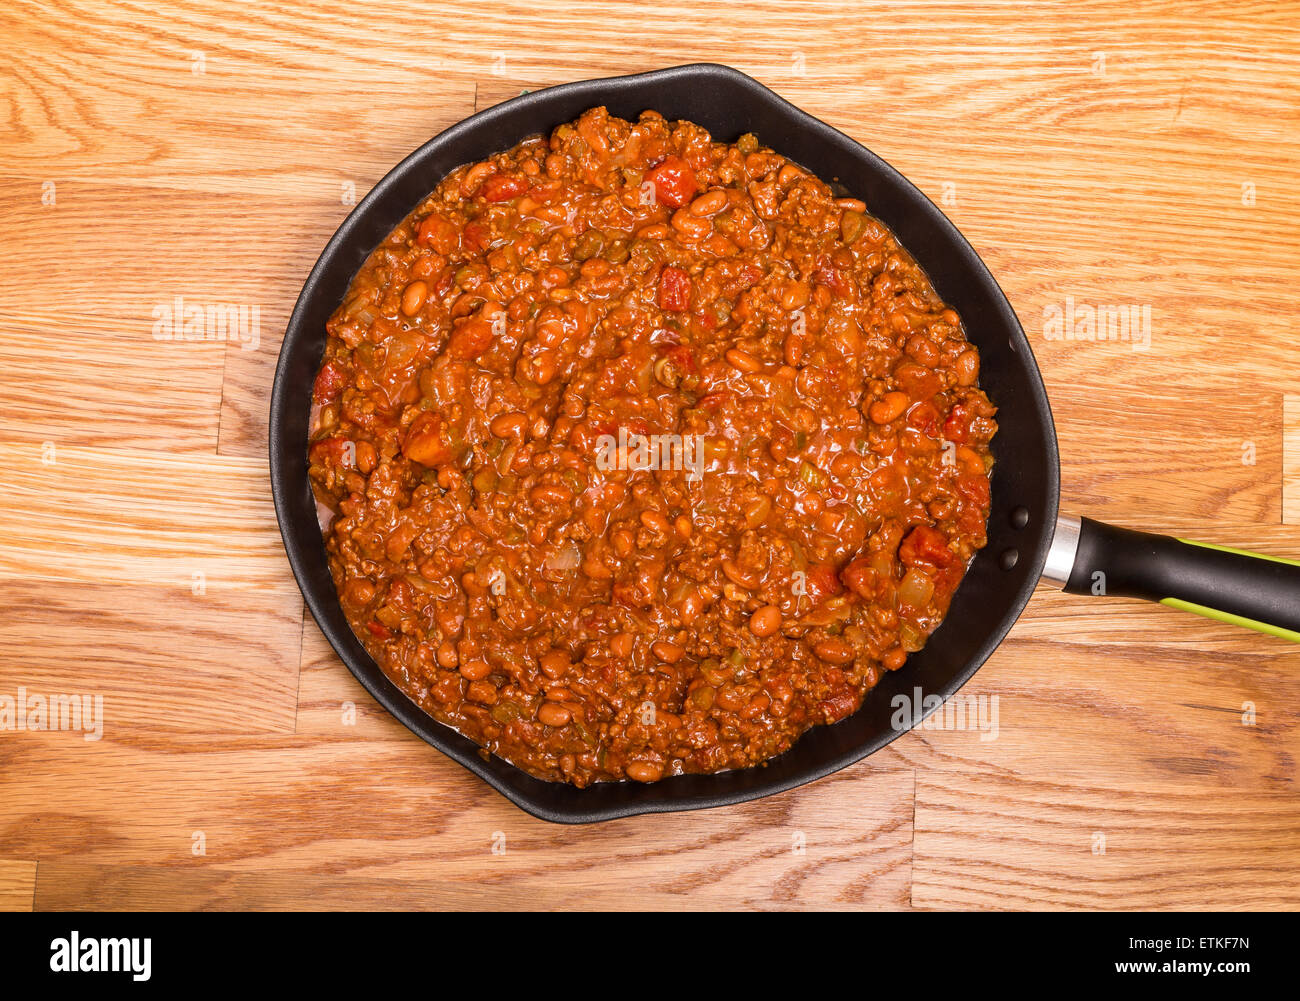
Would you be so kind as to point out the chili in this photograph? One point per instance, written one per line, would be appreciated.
(640, 453)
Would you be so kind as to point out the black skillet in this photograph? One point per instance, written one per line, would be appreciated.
(1024, 539)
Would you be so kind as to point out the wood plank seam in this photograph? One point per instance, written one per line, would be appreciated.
(1291, 459)
(221, 403)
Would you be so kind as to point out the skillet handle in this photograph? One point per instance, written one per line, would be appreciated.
(1231, 585)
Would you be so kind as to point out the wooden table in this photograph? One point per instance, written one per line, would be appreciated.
(1108, 154)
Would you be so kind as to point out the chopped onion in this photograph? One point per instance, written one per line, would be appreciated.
(916, 589)
(910, 638)
(565, 558)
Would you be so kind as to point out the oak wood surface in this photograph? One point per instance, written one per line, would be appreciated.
(1095, 154)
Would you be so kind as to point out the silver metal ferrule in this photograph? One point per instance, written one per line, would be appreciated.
(1060, 558)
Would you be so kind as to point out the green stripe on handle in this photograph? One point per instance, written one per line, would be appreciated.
(1240, 552)
(1236, 620)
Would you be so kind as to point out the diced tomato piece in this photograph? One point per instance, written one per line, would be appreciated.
(969, 423)
(674, 181)
(925, 545)
(477, 236)
(750, 275)
(674, 289)
(502, 188)
(860, 578)
(957, 426)
(829, 275)
(470, 339)
(924, 416)
(821, 582)
(426, 441)
(439, 234)
(683, 358)
(379, 630)
(330, 381)
(975, 489)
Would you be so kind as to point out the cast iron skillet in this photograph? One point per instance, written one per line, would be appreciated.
(1022, 524)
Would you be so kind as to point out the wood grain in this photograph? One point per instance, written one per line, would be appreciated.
(1210, 465)
(114, 515)
(1096, 155)
(121, 401)
(17, 885)
(268, 806)
(240, 650)
(1043, 844)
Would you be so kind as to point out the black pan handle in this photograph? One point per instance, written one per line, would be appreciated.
(1231, 585)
